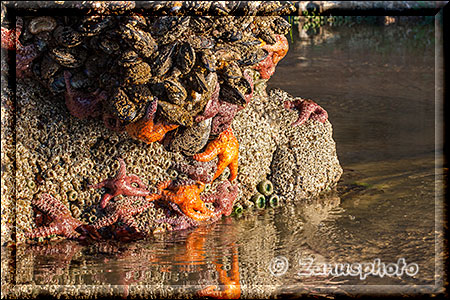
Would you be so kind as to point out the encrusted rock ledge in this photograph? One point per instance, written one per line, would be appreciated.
(61, 155)
(300, 161)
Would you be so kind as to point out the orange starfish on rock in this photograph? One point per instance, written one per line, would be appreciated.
(146, 129)
(226, 147)
(187, 197)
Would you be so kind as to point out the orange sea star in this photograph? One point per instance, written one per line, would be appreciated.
(146, 129)
(187, 197)
(226, 147)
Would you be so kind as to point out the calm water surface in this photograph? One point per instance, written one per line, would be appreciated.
(377, 84)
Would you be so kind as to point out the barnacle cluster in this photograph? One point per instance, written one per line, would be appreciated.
(62, 156)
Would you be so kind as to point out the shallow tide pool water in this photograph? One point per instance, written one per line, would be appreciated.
(377, 84)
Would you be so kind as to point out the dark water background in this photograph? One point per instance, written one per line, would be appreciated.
(377, 84)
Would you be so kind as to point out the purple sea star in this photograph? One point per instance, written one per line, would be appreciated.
(62, 221)
(82, 105)
(24, 54)
(221, 111)
(124, 210)
(223, 198)
(307, 109)
(122, 184)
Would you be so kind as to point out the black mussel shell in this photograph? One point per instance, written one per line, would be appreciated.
(231, 71)
(198, 82)
(281, 26)
(163, 61)
(68, 57)
(67, 37)
(48, 67)
(231, 94)
(208, 60)
(175, 91)
(57, 84)
(232, 36)
(122, 107)
(93, 25)
(185, 58)
(267, 36)
(252, 58)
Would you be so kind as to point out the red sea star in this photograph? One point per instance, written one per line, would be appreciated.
(226, 147)
(122, 184)
(62, 221)
(307, 109)
(125, 209)
(82, 105)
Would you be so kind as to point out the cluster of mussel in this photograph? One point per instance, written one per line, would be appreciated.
(125, 68)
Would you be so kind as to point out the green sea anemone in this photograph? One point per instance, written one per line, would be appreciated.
(259, 200)
(274, 201)
(265, 187)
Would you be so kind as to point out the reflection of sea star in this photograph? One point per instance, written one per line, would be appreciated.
(226, 147)
(122, 184)
(125, 209)
(230, 287)
(307, 109)
(62, 221)
(146, 130)
(187, 197)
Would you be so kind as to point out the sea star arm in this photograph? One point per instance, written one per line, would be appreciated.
(307, 109)
(233, 166)
(50, 205)
(212, 150)
(105, 221)
(226, 147)
(44, 231)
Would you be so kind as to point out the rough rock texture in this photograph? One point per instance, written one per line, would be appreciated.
(300, 161)
(305, 162)
(61, 155)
